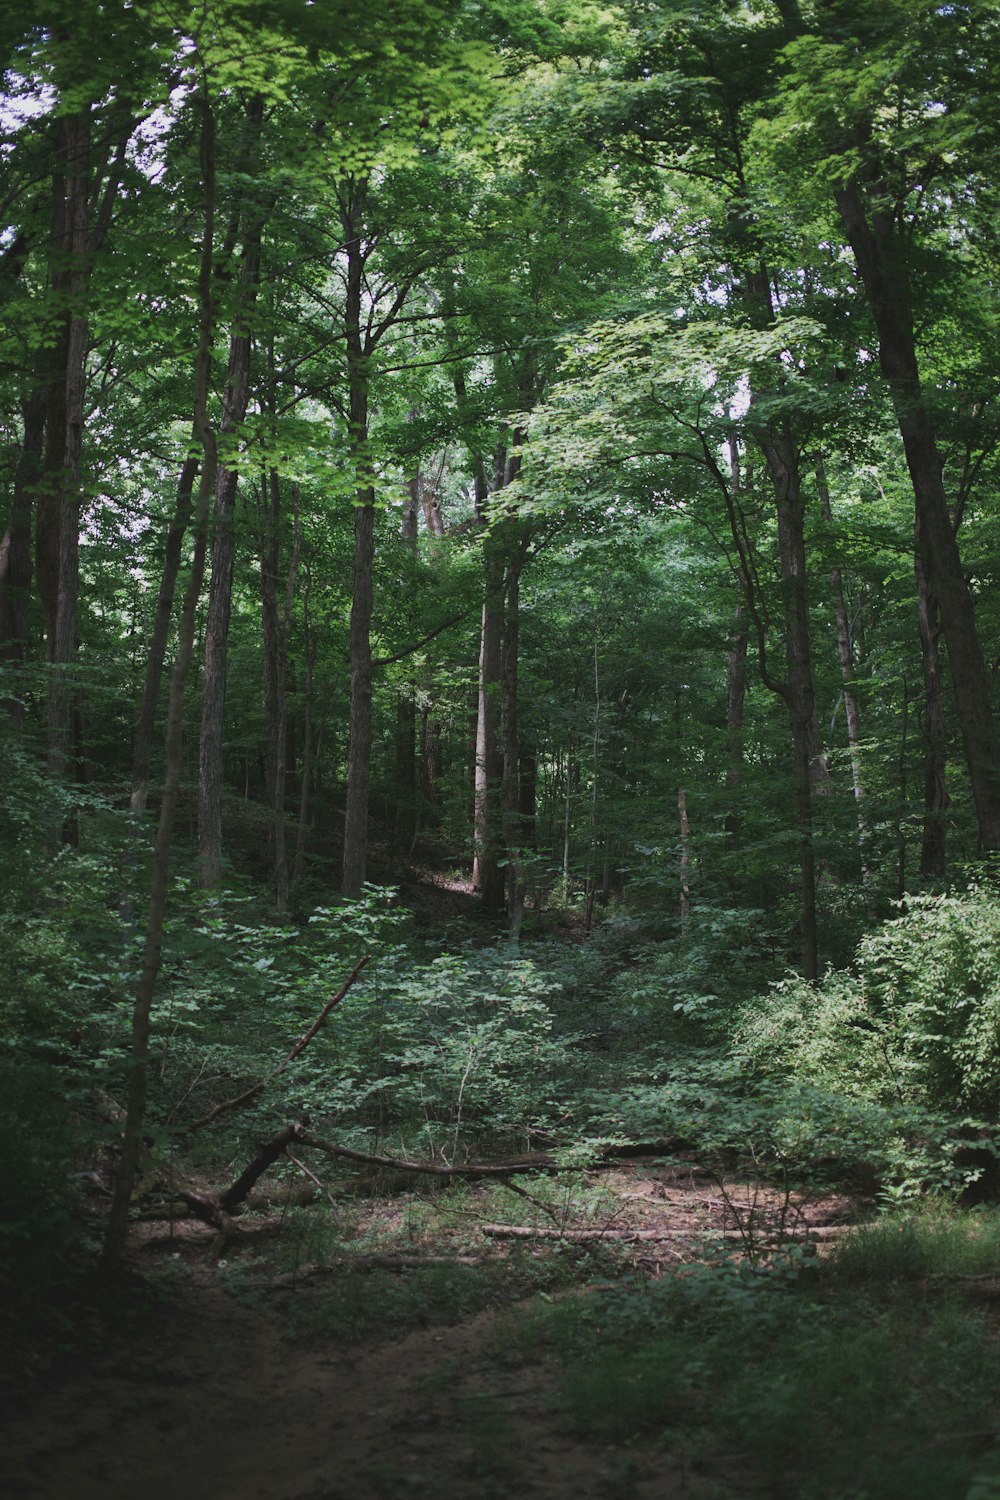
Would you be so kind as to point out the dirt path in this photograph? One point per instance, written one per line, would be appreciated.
(211, 1398)
(222, 1408)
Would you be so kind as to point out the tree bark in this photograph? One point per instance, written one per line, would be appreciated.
(933, 844)
(876, 240)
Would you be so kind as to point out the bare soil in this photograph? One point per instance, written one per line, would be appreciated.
(207, 1395)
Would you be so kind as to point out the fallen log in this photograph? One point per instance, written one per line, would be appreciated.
(584, 1236)
(537, 1161)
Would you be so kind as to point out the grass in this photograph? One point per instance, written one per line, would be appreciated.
(845, 1383)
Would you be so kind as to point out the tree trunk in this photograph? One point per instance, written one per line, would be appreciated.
(146, 720)
(276, 626)
(845, 652)
(510, 791)
(781, 457)
(933, 844)
(15, 552)
(309, 645)
(70, 244)
(360, 732)
(487, 876)
(234, 406)
(736, 677)
(117, 1227)
(875, 239)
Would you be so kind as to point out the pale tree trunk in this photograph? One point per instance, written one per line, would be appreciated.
(510, 790)
(845, 653)
(216, 662)
(880, 255)
(487, 876)
(736, 676)
(360, 732)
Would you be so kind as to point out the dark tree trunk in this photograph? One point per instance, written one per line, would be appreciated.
(781, 457)
(933, 844)
(60, 517)
(309, 645)
(404, 821)
(876, 239)
(276, 624)
(15, 552)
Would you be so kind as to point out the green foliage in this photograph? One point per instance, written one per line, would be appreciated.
(913, 1031)
(868, 1394)
(42, 1148)
(913, 1245)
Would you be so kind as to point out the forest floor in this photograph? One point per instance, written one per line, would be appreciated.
(265, 1374)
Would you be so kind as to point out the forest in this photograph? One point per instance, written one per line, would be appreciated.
(500, 797)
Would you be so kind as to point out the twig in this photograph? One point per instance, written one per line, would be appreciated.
(313, 1178)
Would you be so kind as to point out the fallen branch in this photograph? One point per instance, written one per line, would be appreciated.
(300, 1046)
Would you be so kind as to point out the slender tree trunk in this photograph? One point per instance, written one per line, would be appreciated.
(510, 792)
(117, 1227)
(15, 551)
(360, 734)
(487, 876)
(684, 829)
(146, 720)
(404, 821)
(845, 653)
(736, 677)
(276, 625)
(875, 240)
(781, 456)
(234, 406)
(309, 645)
(72, 249)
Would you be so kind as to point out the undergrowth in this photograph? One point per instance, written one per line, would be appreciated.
(870, 1375)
